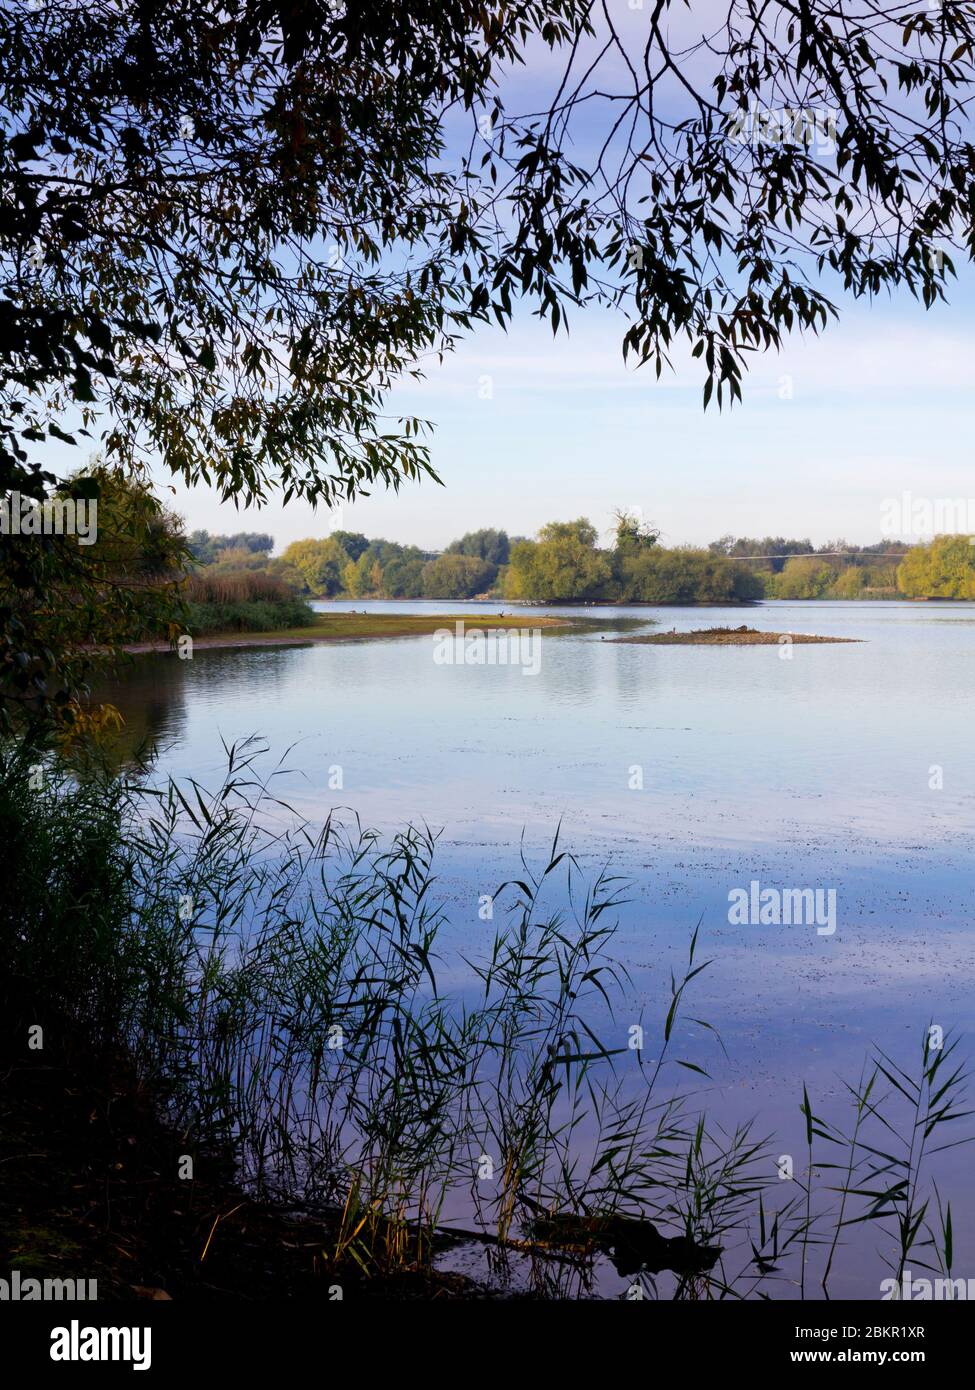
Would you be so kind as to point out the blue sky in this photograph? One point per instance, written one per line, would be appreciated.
(531, 429)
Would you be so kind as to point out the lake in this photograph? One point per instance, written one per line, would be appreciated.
(690, 771)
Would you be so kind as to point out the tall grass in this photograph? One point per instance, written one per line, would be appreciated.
(278, 986)
(238, 586)
(241, 600)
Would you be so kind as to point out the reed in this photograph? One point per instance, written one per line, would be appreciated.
(241, 601)
(237, 586)
(277, 987)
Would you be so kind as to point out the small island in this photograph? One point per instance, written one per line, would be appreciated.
(728, 637)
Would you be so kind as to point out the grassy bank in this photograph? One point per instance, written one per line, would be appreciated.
(218, 982)
(339, 627)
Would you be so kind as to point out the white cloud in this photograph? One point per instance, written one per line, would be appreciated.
(845, 361)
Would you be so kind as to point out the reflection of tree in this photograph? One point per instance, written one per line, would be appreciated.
(150, 694)
(155, 692)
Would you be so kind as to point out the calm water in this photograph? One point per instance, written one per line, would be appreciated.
(817, 771)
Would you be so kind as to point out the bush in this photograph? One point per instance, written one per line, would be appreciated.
(686, 575)
(248, 617)
(943, 569)
(803, 577)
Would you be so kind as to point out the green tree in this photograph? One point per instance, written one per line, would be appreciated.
(633, 535)
(188, 133)
(945, 568)
(320, 562)
(363, 578)
(802, 578)
(207, 549)
(403, 577)
(686, 575)
(849, 583)
(228, 230)
(776, 548)
(456, 576)
(278, 568)
(486, 544)
(352, 542)
(70, 594)
(563, 564)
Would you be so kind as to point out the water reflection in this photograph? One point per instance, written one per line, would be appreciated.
(813, 770)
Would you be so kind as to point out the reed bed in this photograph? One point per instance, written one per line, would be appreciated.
(238, 586)
(241, 601)
(277, 986)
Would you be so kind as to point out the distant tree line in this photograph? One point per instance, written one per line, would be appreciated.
(796, 569)
(229, 549)
(565, 563)
(347, 564)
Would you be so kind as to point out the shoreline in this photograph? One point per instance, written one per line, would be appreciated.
(365, 627)
(109, 1199)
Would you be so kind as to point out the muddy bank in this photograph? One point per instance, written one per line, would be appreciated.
(728, 637)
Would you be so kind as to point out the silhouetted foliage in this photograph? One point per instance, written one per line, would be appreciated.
(228, 230)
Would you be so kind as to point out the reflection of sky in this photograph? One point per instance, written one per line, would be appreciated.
(809, 772)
